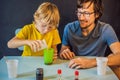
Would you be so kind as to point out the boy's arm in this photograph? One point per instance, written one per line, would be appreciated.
(55, 51)
(16, 42)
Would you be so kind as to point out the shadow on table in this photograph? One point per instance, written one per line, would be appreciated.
(53, 77)
(32, 75)
(26, 74)
(60, 61)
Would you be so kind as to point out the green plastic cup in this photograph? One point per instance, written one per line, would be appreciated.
(48, 56)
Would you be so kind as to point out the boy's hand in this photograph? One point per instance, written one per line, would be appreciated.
(35, 45)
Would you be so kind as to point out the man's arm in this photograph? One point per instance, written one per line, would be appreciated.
(115, 47)
(114, 59)
(82, 62)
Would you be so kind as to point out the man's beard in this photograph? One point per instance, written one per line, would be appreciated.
(86, 27)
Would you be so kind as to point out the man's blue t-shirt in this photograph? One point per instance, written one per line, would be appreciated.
(94, 44)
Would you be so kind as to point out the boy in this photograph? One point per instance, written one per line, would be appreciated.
(44, 27)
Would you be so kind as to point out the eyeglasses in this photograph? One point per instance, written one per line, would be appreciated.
(85, 14)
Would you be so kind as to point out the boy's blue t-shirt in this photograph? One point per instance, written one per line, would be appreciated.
(94, 44)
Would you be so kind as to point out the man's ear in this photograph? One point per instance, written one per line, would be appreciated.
(96, 15)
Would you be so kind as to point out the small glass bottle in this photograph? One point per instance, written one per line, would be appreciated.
(59, 72)
(39, 74)
(76, 75)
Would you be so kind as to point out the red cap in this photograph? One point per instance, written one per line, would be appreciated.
(76, 73)
(59, 71)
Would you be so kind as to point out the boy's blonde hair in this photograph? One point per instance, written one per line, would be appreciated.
(49, 13)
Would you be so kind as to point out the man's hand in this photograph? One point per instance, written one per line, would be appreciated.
(67, 54)
(82, 63)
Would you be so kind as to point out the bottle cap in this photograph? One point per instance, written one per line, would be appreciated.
(76, 73)
(39, 71)
(59, 71)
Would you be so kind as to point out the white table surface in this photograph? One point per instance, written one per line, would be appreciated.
(27, 70)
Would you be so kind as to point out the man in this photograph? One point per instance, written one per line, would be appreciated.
(89, 37)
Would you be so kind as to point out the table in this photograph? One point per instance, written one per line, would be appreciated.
(27, 70)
